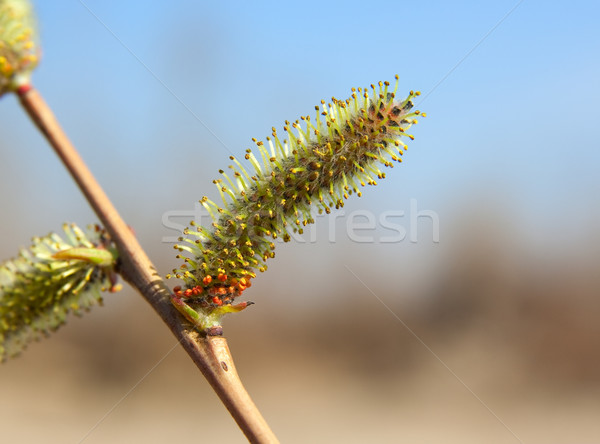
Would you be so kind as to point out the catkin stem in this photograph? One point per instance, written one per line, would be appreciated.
(210, 354)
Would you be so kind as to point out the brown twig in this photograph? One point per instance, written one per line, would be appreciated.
(211, 354)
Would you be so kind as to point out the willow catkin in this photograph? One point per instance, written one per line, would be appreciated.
(319, 164)
(52, 278)
(18, 49)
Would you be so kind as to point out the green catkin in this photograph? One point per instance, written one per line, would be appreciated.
(18, 50)
(321, 164)
(52, 278)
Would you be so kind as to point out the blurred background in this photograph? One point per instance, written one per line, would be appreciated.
(487, 333)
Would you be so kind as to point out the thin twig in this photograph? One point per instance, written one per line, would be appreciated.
(211, 354)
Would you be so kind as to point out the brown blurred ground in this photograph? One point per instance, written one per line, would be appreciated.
(518, 328)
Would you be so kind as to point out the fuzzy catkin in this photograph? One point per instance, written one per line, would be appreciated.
(321, 163)
(54, 277)
(18, 49)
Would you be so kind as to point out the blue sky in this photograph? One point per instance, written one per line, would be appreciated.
(513, 125)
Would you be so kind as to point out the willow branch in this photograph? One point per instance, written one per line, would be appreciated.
(211, 354)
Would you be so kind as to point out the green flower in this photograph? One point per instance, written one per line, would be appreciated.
(54, 277)
(319, 165)
(18, 49)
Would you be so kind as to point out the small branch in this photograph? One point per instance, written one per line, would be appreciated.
(211, 354)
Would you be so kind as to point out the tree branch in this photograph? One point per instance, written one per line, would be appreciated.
(210, 353)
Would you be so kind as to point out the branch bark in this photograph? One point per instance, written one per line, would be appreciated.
(210, 353)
